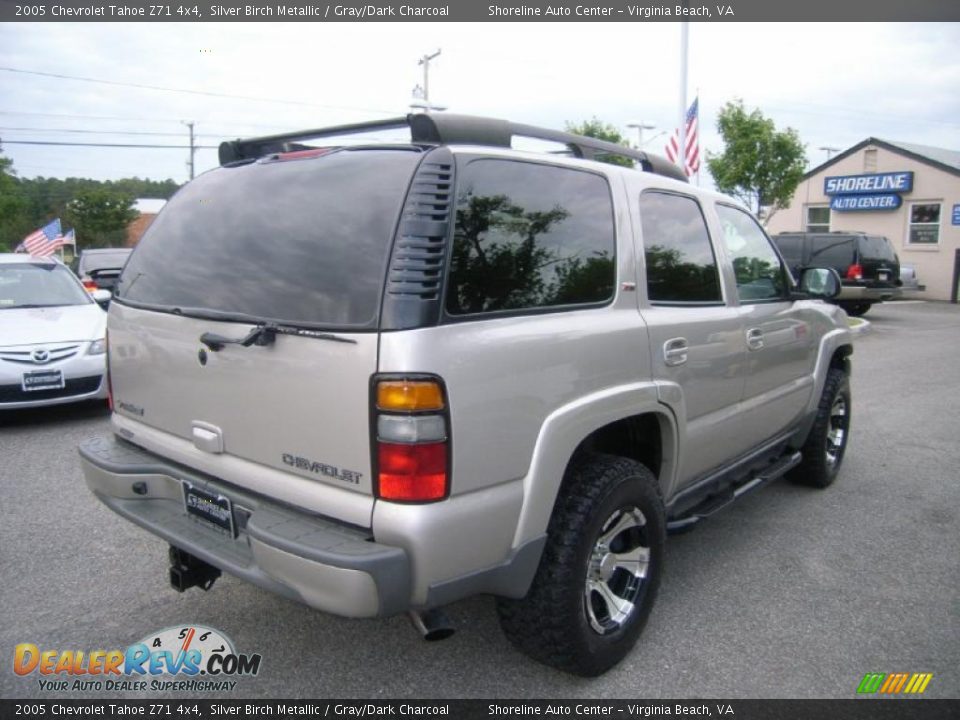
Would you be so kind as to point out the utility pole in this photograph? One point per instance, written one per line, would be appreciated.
(425, 63)
(641, 126)
(829, 150)
(193, 147)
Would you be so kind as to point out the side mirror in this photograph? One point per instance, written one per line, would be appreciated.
(101, 297)
(821, 283)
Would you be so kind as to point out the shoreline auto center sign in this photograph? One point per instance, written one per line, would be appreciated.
(879, 191)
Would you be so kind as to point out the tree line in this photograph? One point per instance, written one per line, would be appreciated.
(99, 211)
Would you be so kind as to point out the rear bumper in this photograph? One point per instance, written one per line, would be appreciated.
(856, 293)
(327, 565)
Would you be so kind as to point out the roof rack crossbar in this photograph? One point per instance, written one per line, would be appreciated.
(449, 129)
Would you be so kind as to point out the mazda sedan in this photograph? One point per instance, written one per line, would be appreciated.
(52, 335)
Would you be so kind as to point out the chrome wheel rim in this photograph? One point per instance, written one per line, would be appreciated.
(837, 430)
(616, 570)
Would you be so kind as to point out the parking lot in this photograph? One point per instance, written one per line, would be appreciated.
(791, 592)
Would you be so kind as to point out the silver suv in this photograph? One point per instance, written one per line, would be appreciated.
(380, 378)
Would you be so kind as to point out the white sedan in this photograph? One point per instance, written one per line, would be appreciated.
(52, 335)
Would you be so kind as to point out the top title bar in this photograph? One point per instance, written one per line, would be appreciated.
(461, 10)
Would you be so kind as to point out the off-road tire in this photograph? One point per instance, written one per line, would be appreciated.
(552, 623)
(816, 469)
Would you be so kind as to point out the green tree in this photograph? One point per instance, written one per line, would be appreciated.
(596, 128)
(101, 216)
(759, 165)
(14, 219)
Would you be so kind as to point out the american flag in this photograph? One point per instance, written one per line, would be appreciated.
(692, 142)
(43, 242)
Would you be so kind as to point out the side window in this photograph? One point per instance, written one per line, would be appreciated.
(681, 267)
(756, 265)
(530, 236)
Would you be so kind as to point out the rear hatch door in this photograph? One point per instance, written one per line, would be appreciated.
(300, 245)
(881, 267)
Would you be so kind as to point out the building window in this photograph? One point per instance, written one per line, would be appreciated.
(924, 224)
(870, 160)
(818, 219)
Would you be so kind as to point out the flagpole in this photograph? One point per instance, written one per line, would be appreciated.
(682, 133)
(699, 135)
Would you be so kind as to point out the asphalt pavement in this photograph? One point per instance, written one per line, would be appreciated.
(790, 592)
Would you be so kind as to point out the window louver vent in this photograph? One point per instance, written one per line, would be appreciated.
(416, 269)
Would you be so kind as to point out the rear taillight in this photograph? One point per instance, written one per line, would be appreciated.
(89, 285)
(855, 272)
(410, 427)
(412, 473)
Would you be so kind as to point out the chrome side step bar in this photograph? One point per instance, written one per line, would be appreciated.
(719, 501)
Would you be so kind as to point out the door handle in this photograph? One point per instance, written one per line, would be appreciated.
(675, 351)
(755, 338)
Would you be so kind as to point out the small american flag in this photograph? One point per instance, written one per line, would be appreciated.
(43, 242)
(692, 142)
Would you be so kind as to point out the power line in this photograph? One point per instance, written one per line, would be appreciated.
(87, 117)
(205, 93)
(74, 116)
(94, 132)
(115, 145)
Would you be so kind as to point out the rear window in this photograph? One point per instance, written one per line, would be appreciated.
(832, 252)
(90, 263)
(301, 241)
(791, 247)
(876, 248)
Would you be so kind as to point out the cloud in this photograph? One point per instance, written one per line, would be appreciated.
(835, 83)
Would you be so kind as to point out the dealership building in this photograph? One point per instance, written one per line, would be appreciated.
(908, 193)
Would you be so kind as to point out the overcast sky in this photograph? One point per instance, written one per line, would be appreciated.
(836, 84)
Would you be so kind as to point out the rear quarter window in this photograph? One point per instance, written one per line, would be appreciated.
(530, 236)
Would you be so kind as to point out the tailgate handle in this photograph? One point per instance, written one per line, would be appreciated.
(261, 335)
(207, 437)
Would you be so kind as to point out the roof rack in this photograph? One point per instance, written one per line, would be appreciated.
(448, 129)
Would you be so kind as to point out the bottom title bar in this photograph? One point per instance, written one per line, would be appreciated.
(862, 709)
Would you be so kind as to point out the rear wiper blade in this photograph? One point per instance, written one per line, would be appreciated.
(265, 334)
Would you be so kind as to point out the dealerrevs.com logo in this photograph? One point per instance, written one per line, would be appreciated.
(185, 658)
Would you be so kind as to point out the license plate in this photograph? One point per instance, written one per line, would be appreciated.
(884, 276)
(42, 380)
(212, 509)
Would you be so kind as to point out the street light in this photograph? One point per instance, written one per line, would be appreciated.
(641, 126)
(829, 150)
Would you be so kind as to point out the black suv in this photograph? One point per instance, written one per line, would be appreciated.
(867, 264)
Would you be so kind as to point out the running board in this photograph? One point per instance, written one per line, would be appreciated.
(717, 502)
